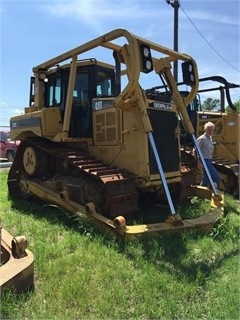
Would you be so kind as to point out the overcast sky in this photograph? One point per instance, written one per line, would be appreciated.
(33, 31)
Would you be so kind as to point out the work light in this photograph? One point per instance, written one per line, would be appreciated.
(146, 58)
(188, 73)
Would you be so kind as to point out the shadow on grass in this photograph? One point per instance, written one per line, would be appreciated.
(11, 300)
(173, 255)
(43, 210)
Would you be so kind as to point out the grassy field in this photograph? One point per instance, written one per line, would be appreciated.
(81, 274)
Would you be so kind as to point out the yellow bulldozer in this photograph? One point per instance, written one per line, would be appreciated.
(226, 136)
(94, 142)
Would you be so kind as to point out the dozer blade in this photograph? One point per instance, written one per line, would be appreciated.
(118, 225)
(172, 225)
(16, 264)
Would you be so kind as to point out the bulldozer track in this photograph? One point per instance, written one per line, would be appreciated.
(229, 169)
(110, 184)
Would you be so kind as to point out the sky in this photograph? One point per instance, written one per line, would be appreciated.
(33, 31)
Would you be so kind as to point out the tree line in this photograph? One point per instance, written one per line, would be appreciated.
(214, 104)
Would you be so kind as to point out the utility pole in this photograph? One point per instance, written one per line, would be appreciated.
(175, 5)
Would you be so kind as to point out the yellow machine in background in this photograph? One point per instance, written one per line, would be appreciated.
(226, 135)
(88, 145)
(226, 155)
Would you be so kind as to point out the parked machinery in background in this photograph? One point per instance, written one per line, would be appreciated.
(226, 135)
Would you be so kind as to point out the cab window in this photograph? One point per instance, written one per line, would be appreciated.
(104, 85)
(54, 91)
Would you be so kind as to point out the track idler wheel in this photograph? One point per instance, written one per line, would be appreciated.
(34, 162)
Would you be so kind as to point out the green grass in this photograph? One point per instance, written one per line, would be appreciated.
(81, 274)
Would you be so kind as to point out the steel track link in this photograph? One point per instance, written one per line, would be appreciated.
(120, 194)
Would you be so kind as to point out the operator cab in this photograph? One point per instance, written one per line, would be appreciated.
(93, 80)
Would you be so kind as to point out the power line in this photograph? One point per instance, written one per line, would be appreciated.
(208, 41)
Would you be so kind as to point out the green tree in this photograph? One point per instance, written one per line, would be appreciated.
(236, 104)
(210, 104)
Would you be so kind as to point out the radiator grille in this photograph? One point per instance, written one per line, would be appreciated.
(164, 125)
(107, 126)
